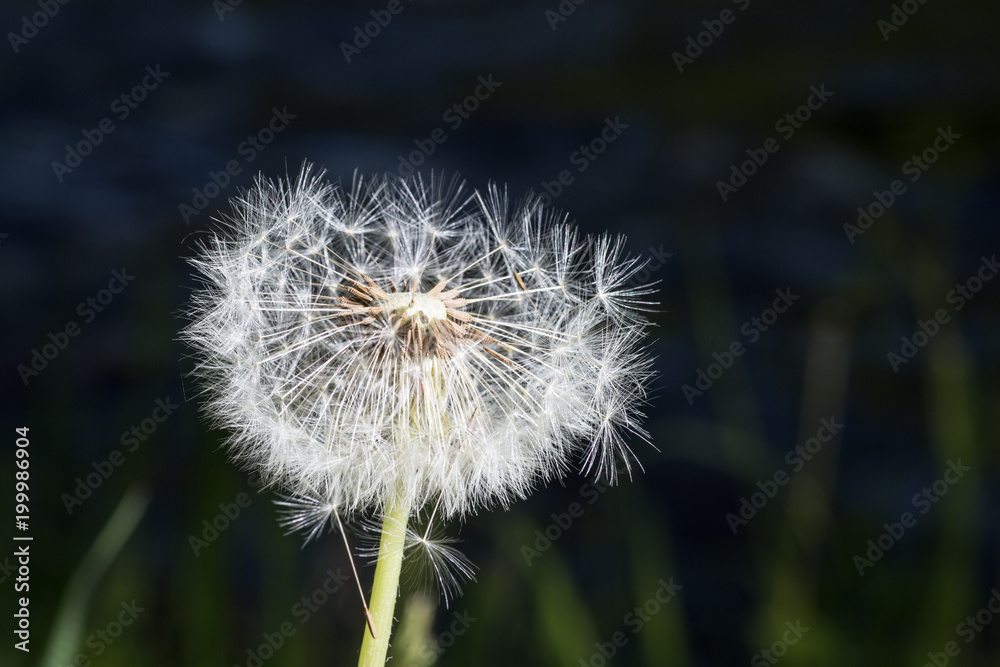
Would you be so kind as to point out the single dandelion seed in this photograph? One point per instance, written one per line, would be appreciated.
(430, 560)
(305, 514)
(310, 515)
(405, 344)
(434, 562)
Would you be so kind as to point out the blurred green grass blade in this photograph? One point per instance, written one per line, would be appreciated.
(715, 324)
(795, 563)
(664, 643)
(415, 632)
(566, 628)
(67, 628)
(952, 402)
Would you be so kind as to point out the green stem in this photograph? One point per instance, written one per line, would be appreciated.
(386, 586)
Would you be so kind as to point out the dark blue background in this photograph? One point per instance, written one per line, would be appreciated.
(718, 264)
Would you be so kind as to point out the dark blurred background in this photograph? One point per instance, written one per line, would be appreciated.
(875, 543)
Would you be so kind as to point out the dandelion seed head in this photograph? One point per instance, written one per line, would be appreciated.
(404, 336)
